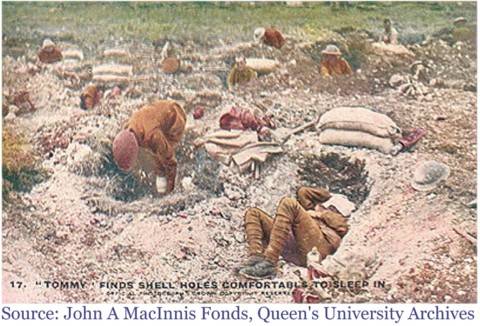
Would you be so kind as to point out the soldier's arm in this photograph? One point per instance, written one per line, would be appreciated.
(164, 157)
(308, 197)
(335, 221)
(324, 70)
(346, 67)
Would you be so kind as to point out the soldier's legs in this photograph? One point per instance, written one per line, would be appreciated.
(258, 227)
(307, 232)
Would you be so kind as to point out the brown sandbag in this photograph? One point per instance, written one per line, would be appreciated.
(356, 138)
(359, 119)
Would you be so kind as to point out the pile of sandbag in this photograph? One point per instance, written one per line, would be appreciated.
(117, 70)
(72, 59)
(357, 126)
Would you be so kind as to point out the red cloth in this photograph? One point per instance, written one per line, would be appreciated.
(301, 296)
(411, 139)
(243, 119)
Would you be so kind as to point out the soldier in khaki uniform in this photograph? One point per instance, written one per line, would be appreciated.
(240, 73)
(158, 127)
(90, 97)
(49, 53)
(269, 36)
(390, 36)
(299, 226)
(332, 64)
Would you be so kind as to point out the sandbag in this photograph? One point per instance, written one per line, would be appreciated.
(392, 49)
(116, 53)
(356, 138)
(72, 54)
(262, 66)
(113, 69)
(71, 65)
(111, 79)
(359, 119)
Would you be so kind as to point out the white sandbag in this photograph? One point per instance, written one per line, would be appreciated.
(116, 53)
(359, 119)
(356, 138)
(71, 65)
(111, 79)
(113, 69)
(72, 54)
(262, 66)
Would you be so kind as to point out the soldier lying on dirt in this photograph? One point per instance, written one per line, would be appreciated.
(299, 225)
(158, 127)
(332, 64)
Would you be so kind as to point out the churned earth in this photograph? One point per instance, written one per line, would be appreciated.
(86, 221)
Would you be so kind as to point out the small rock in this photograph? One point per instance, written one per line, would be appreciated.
(10, 117)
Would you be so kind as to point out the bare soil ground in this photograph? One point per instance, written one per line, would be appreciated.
(89, 222)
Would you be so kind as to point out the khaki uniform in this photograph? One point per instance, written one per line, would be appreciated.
(296, 229)
(391, 36)
(341, 67)
(50, 54)
(159, 127)
(240, 76)
(274, 38)
(89, 98)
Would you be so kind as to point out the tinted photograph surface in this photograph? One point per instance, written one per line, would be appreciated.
(239, 152)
